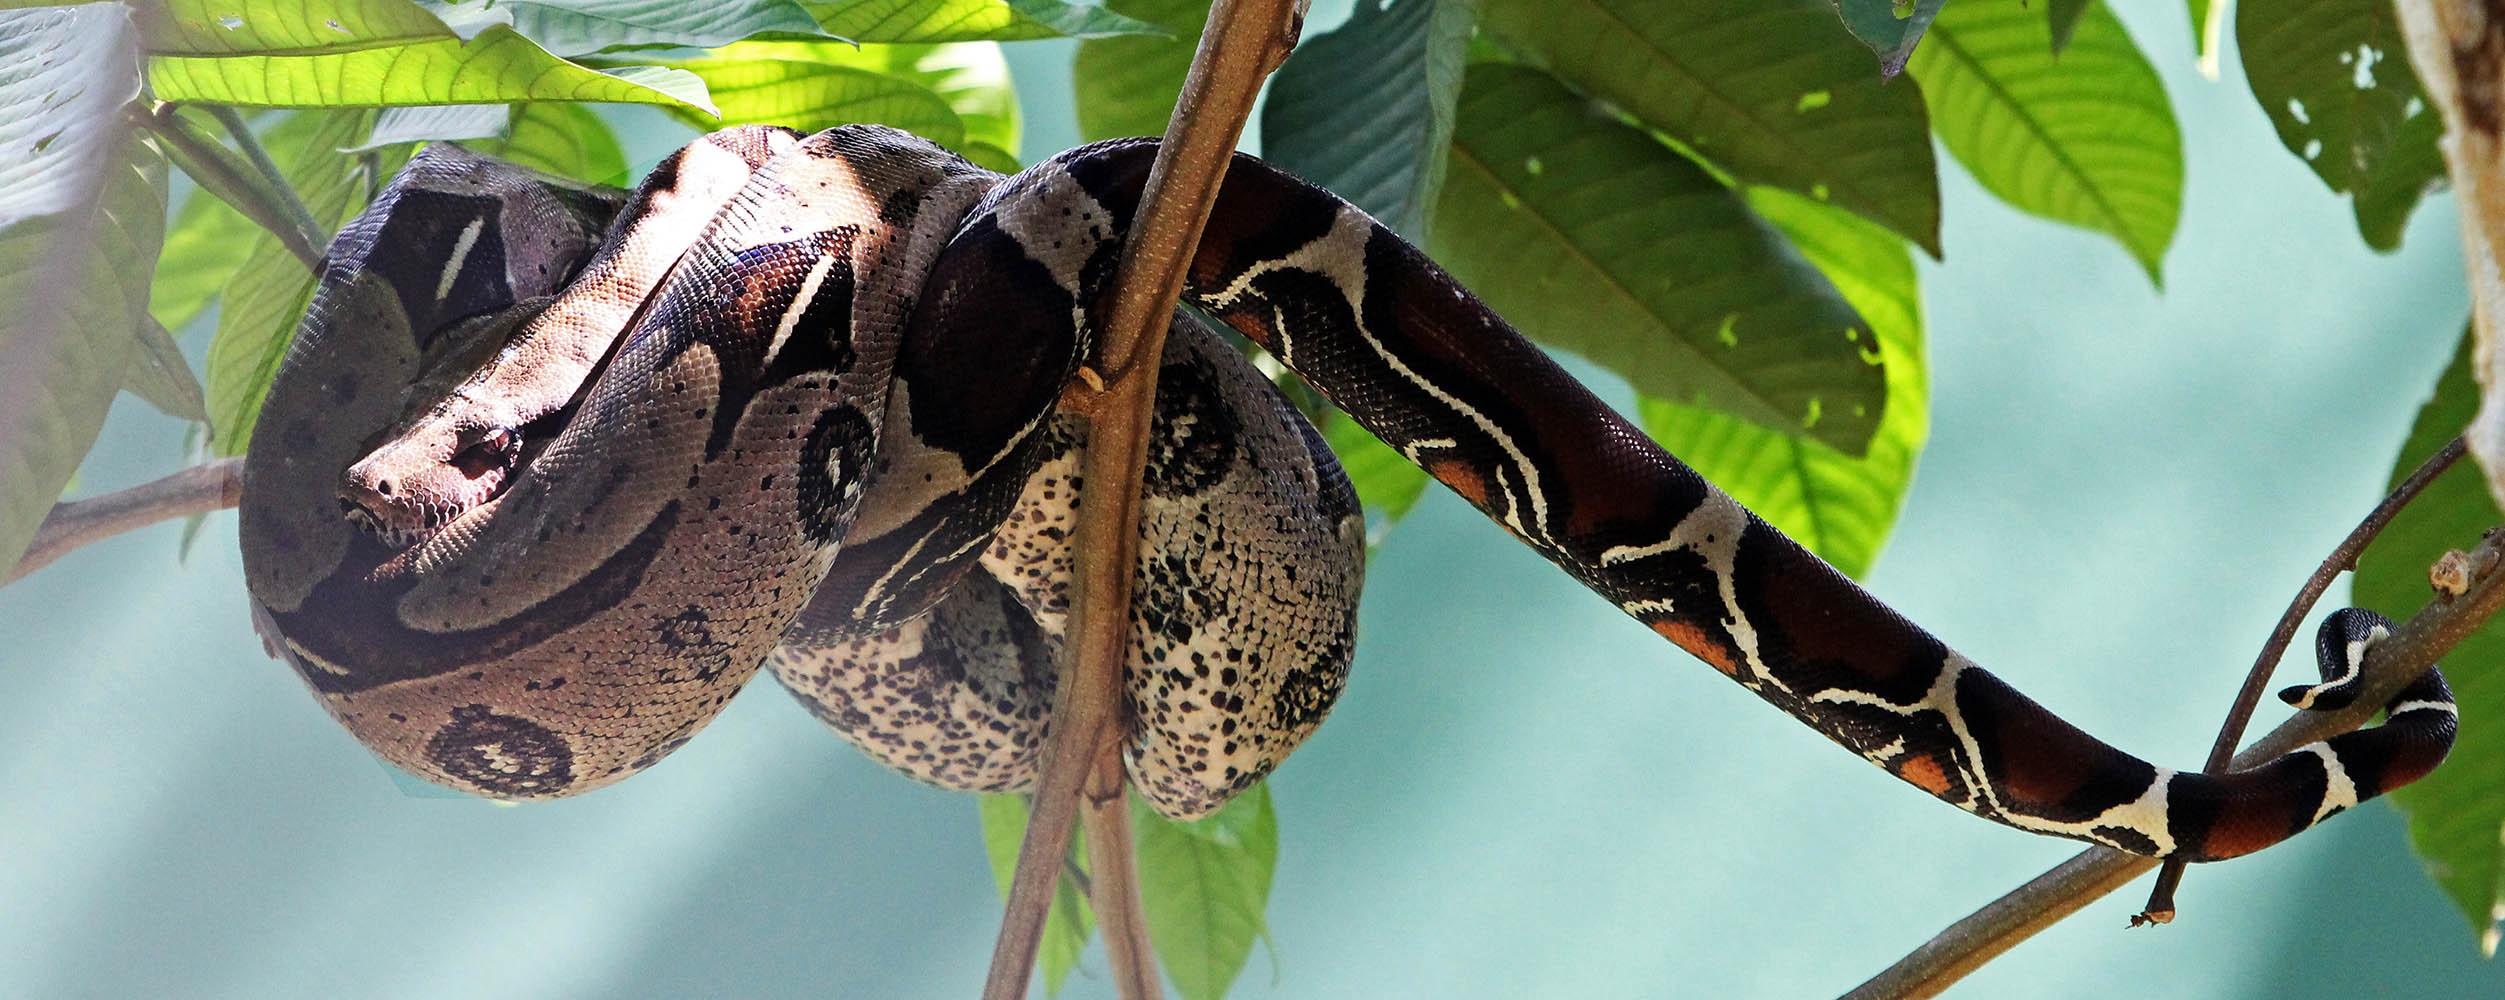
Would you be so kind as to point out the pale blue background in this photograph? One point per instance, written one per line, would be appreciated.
(1522, 794)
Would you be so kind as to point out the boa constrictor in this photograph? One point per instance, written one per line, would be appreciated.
(549, 472)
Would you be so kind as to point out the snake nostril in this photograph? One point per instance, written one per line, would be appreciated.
(383, 488)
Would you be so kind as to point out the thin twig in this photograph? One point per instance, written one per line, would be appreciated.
(196, 490)
(240, 180)
(1244, 41)
(2343, 558)
(2390, 665)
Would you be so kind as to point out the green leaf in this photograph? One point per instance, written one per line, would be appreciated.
(582, 27)
(159, 375)
(969, 20)
(281, 27)
(1594, 238)
(1367, 109)
(497, 66)
(2063, 18)
(82, 213)
(267, 295)
(1775, 92)
(198, 258)
(1840, 506)
(2335, 79)
(440, 121)
(2413, 170)
(971, 78)
(1387, 484)
(2209, 19)
(756, 82)
(568, 140)
(1068, 923)
(2086, 139)
(2456, 813)
(1890, 27)
(1204, 886)
(1127, 86)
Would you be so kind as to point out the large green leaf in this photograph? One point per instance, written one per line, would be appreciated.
(281, 27)
(582, 27)
(1068, 923)
(1890, 27)
(2457, 813)
(1840, 506)
(1774, 91)
(1205, 885)
(2335, 78)
(971, 78)
(969, 20)
(786, 84)
(1126, 86)
(82, 213)
(2086, 138)
(1593, 237)
(1367, 109)
(267, 295)
(564, 139)
(290, 53)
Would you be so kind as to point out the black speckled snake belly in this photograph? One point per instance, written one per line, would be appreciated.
(549, 472)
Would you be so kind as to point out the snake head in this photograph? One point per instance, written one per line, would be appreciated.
(412, 486)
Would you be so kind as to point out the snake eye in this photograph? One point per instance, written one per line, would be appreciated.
(492, 451)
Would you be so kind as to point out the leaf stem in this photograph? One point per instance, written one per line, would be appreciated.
(2390, 665)
(277, 179)
(197, 490)
(1243, 42)
(244, 180)
(2343, 558)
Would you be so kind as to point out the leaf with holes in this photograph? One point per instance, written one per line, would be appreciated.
(1367, 110)
(1890, 27)
(2086, 138)
(2455, 814)
(969, 20)
(1838, 505)
(1593, 237)
(267, 295)
(369, 53)
(1775, 93)
(1067, 922)
(2335, 79)
(82, 211)
(1126, 86)
(1204, 886)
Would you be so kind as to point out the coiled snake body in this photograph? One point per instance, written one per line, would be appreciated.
(548, 473)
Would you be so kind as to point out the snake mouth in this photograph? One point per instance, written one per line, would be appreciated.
(405, 497)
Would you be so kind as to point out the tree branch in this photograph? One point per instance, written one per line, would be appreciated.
(1244, 41)
(2343, 557)
(2390, 666)
(2458, 51)
(196, 490)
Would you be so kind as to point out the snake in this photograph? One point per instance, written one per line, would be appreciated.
(550, 470)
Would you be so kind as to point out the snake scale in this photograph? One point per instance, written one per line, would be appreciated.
(551, 470)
